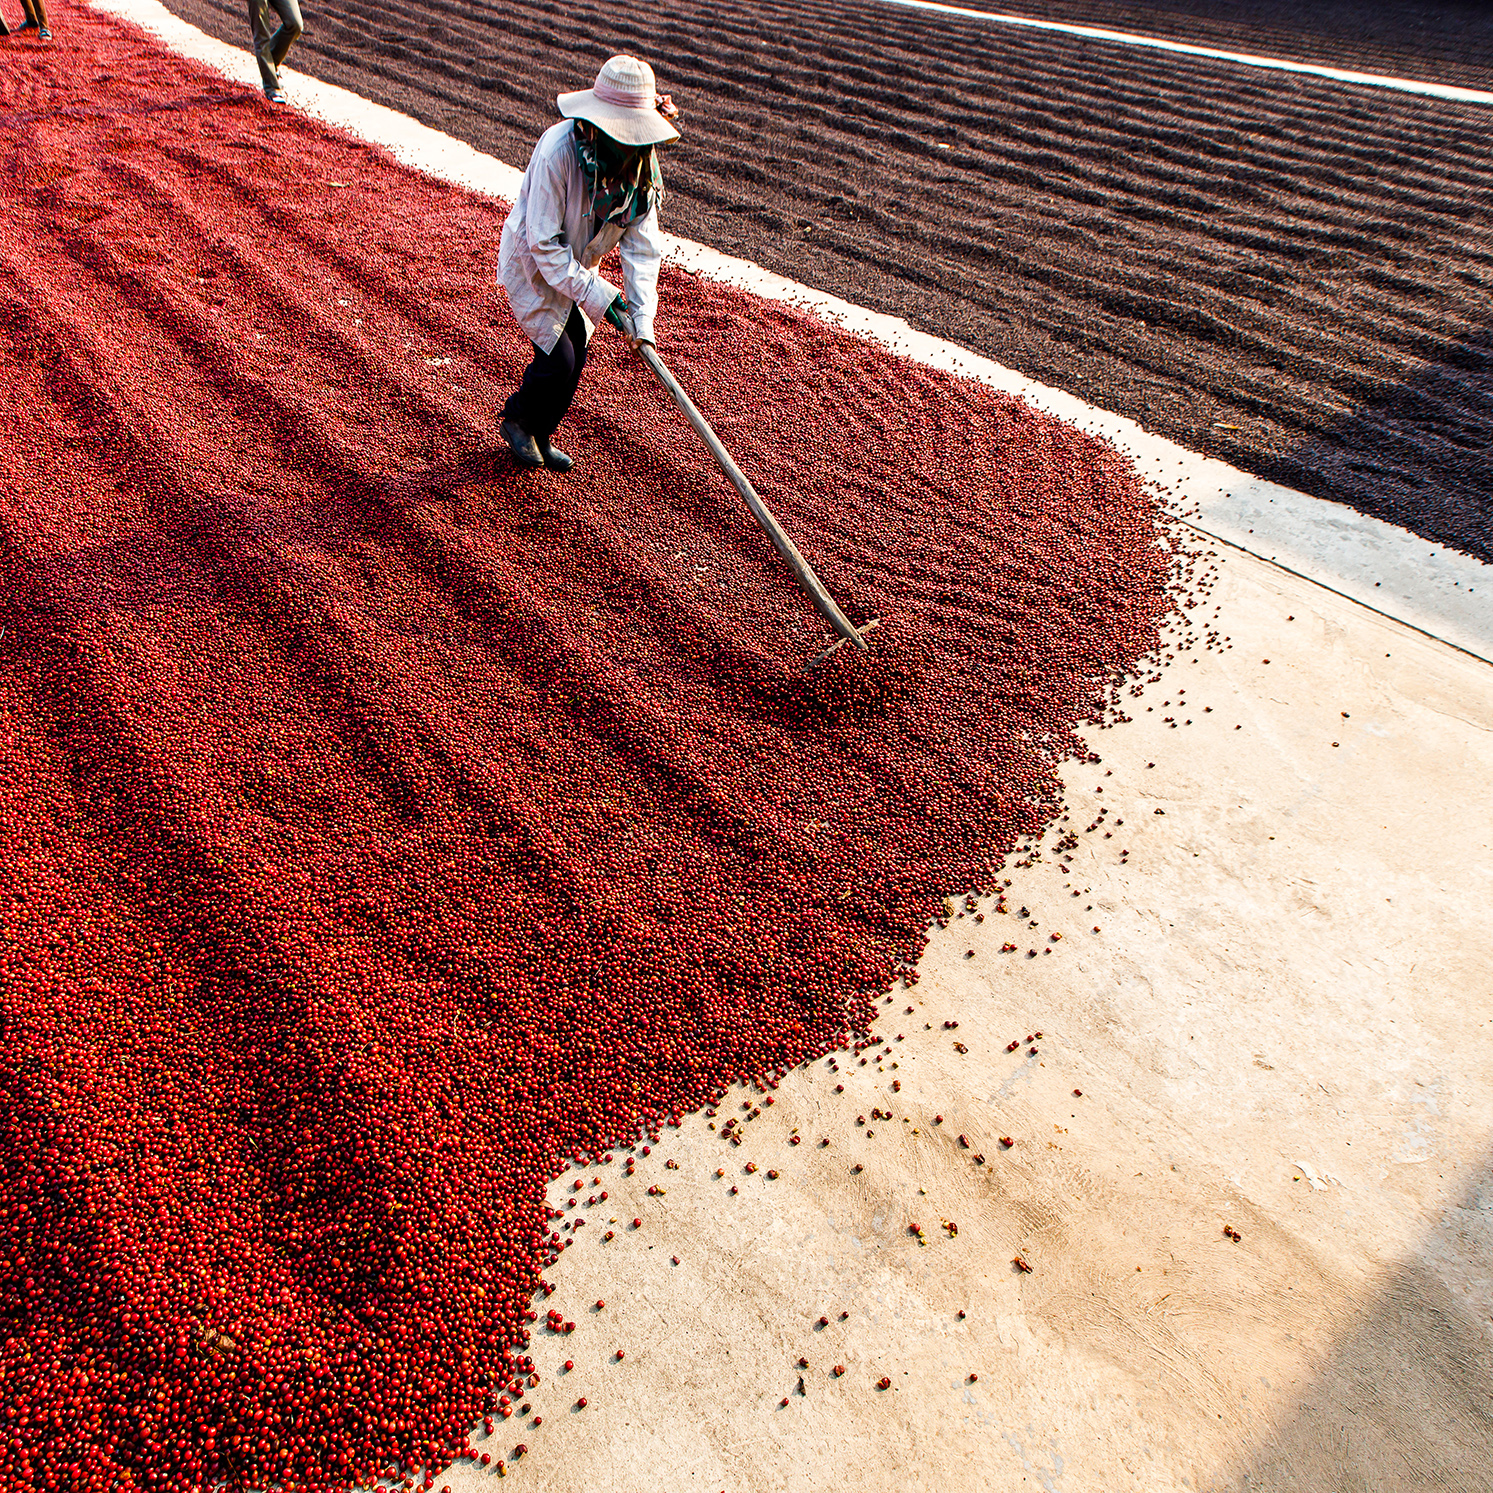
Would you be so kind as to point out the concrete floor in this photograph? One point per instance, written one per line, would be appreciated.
(1285, 1025)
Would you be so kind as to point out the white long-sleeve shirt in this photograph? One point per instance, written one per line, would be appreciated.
(539, 265)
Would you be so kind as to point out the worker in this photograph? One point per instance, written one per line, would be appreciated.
(36, 20)
(593, 184)
(271, 46)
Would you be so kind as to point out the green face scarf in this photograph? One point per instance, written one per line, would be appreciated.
(625, 181)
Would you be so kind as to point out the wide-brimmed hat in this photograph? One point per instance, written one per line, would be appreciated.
(624, 104)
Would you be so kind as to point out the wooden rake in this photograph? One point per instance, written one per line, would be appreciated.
(803, 572)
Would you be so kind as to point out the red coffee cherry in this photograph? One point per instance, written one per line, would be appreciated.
(442, 833)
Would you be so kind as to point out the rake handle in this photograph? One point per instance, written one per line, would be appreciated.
(803, 572)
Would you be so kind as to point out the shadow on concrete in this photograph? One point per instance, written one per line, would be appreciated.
(1418, 454)
(1405, 1400)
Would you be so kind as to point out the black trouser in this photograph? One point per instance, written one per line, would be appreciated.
(541, 400)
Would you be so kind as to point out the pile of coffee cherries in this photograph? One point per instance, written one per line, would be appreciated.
(380, 825)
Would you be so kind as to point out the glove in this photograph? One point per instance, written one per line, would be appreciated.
(620, 316)
(615, 314)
